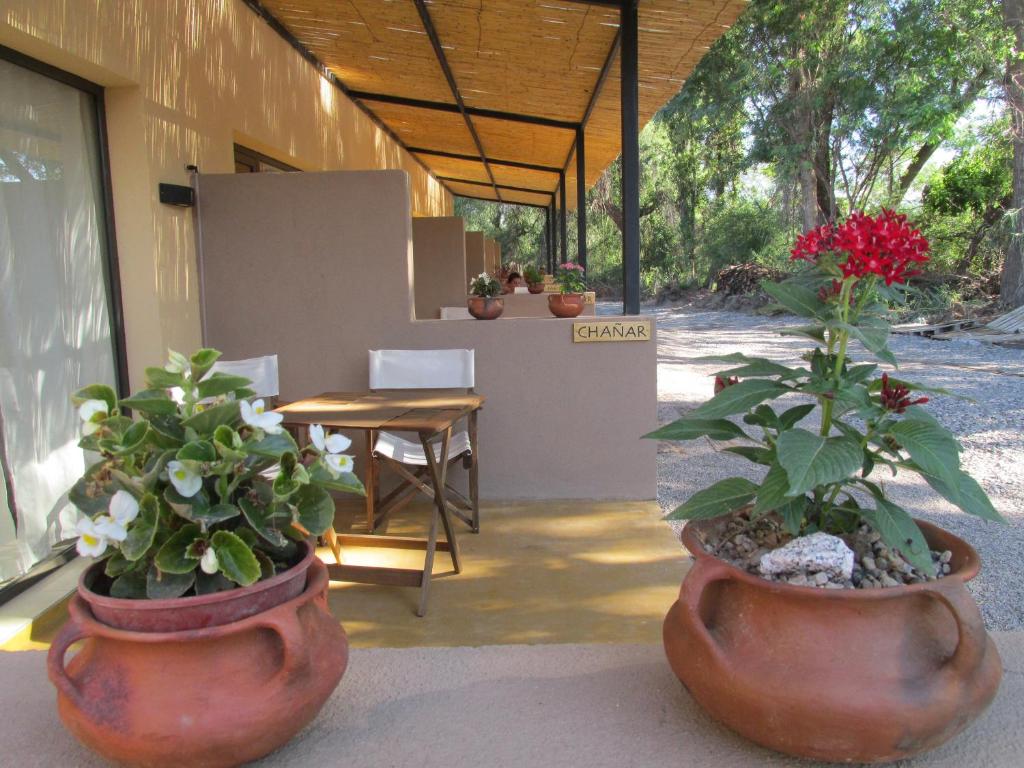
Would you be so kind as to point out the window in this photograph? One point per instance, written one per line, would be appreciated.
(250, 161)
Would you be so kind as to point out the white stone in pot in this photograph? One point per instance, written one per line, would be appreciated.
(817, 553)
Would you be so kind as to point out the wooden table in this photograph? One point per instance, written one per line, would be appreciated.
(428, 413)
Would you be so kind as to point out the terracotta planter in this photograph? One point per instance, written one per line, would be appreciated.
(565, 304)
(203, 695)
(536, 287)
(485, 308)
(840, 675)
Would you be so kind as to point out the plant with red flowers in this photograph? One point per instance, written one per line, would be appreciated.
(819, 480)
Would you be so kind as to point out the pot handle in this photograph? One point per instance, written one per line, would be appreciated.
(288, 627)
(704, 572)
(973, 641)
(69, 634)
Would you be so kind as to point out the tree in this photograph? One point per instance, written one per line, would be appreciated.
(1012, 281)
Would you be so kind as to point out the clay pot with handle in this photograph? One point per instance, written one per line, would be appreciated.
(208, 693)
(536, 287)
(852, 675)
(485, 307)
(565, 304)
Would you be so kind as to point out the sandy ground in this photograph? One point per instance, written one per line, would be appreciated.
(990, 429)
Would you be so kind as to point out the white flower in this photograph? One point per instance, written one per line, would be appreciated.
(338, 463)
(92, 413)
(331, 443)
(255, 415)
(178, 363)
(185, 480)
(91, 543)
(209, 562)
(108, 527)
(123, 508)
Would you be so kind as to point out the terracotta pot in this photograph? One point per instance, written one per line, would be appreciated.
(565, 304)
(536, 287)
(485, 308)
(840, 675)
(203, 696)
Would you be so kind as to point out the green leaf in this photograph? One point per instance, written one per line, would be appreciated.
(739, 397)
(156, 465)
(346, 482)
(155, 401)
(264, 520)
(315, 509)
(754, 453)
(208, 583)
(217, 513)
(220, 384)
(932, 447)
(172, 556)
(134, 438)
(762, 416)
(161, 585)
(158, 378)
(272, 446)
(873, 333)
(798, 299)
(237, 562)
(206, 421)
(142, 530)
(792, 514)
(129, 586)
(690, 429)
(816, 332)
(117, 564)
(811, 460)
(722, 497)
(899, 531)
(856, 374)
(96, 392)
(771, 495)
(202, 361)
(876, 386)
(197, 450)
(962, 490)
(166, 432)
(790, 417)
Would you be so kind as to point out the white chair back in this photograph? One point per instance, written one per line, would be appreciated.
(455, 313)
(421, 369)
(262, 371)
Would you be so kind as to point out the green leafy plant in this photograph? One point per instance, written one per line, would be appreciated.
(532, 275)
(202, 490)
(867, 420)
(569, 277)
(485, 286)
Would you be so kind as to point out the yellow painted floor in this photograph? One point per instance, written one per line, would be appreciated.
(538, 572)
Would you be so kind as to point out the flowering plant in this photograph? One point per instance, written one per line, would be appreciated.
(822, 479)
(201, 494)
(569, 277)
(532, 275)
(485, 286)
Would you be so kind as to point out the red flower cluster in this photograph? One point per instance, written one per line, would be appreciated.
(897, 398)
(885, 245)
(721, 383)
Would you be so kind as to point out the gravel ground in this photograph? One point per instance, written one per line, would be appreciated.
(991, 430)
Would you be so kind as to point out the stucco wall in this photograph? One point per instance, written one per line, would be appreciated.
(476, 255)
(439, 261)
(185, 80)
(562, 420)
(492, 255)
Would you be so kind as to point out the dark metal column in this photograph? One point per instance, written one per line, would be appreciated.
(581, 200)
(562, 224)
(630, 161)
(547, 239)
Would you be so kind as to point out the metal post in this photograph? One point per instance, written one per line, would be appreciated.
(630, 161)
(547, 238)
(581, 200)
(564, 233)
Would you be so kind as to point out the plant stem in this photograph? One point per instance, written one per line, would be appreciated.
(837, 371)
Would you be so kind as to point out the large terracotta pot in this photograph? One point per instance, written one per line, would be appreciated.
(866, 675)
(565, 304)
(203, 695)
(536, 287)
(485, 308)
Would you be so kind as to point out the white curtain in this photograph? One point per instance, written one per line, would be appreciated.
(54, 318)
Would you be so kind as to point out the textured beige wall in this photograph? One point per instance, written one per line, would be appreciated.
(439, 264)
(186, 79)
(534, 305)
(476, 255)
(562, 420)
(492, 256)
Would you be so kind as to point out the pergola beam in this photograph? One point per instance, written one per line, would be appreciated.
(442, 60)
(491, 160)
(443, 106)
(531, 190)
(496, 202)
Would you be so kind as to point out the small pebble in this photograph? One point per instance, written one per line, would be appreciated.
(821, 579)
(889, 581)
(869, 563)
(945, 557)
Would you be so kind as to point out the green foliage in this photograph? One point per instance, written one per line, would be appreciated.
(198, 495)
(484, 285)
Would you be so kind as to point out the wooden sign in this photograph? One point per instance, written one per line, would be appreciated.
(589, 297)
(552, 288)
(585, 331)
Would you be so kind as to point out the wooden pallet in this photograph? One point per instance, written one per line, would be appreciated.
(930, 330)
(1011, 322)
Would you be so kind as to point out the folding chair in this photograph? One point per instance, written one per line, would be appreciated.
(261, 370)
(424, 369)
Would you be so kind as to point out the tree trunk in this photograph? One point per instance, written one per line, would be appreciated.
(1011, 284)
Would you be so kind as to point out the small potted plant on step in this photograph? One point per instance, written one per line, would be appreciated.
(819, 618)
(485, 302)
(207, 639)
(534, 279)
(569, 301)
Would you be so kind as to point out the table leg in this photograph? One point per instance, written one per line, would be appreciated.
(371, 483)
(474, 472)
(438, 476)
